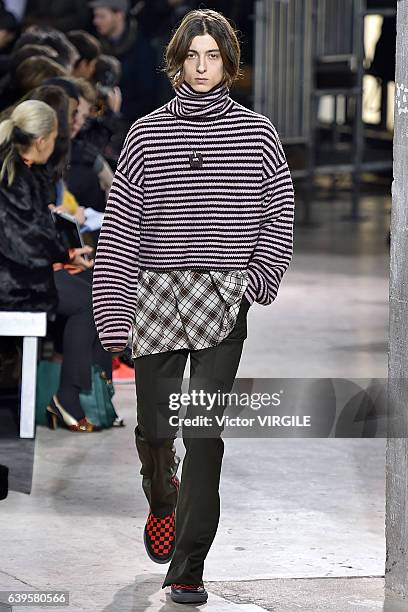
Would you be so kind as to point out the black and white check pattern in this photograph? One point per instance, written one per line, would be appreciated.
(185, 309)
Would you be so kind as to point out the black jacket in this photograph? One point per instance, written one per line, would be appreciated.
(29, 243)
(107, 133)
(82, 176)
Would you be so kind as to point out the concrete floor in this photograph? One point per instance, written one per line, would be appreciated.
(304, 517)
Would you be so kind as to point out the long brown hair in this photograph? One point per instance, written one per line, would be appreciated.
(34, 70)
(197, 23)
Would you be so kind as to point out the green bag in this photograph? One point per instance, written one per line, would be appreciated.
(48, 377)
(97, 404)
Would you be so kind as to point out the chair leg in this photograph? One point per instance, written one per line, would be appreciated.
(28, 387)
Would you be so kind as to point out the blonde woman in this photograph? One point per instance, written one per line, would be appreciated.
(29, 244)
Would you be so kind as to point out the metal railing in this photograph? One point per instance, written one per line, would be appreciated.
(286, 40)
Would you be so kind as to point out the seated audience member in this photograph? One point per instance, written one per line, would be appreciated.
(33, 71)
(107, 75)
(121, 37)
(59, 161)
(30, 245)
(89, 50)
(59, 99)
(67, 54)
(72, 91)
(63, 83)
(20, 54)
(29, 74)
(28, 240)
(7, 92)
(107, 128)
(56, 97)
(89, 177)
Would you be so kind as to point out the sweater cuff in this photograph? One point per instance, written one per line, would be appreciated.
(249, 295)
(114, 341)
(253, 289)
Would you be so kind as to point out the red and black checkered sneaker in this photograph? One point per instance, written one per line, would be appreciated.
(188, 593)
(160, 534)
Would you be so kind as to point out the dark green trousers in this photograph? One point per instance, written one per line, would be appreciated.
(198, 507)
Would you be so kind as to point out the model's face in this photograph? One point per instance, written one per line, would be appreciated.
(203, 67)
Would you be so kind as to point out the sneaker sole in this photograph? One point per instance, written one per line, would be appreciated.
(189, 597)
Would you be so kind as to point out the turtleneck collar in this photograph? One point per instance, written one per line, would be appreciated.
(197, 105)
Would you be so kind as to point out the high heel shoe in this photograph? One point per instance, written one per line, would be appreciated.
(57, 415)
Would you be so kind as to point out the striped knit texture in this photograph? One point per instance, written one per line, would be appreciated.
(234, 213)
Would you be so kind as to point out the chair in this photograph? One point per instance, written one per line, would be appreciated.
(30, 326)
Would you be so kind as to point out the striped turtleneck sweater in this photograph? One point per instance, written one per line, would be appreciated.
(235, 212)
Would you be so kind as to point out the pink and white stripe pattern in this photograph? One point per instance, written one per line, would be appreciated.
(234, 213)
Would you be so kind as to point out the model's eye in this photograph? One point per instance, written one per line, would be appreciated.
(214, 55)
(190, 55)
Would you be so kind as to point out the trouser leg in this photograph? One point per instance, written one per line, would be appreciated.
(198, 505)
(157, 376)
(75, 303)
(100, 357)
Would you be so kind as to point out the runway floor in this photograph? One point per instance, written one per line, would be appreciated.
(291, 508)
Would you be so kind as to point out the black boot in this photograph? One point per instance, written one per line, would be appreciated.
(160, 485)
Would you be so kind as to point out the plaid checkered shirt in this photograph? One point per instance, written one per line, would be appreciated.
(185, 309)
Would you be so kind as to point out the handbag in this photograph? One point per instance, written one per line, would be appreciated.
(97, 403)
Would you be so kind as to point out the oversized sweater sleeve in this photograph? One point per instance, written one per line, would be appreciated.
(117, 255)
(274, 248)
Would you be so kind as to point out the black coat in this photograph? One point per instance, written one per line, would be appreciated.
(81, 177)
(29, 243)
(107, 133)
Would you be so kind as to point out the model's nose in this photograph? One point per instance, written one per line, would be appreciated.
(201, 67)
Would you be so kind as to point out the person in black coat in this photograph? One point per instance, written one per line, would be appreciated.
(30, 245)
(28, 240)
(121, 36)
